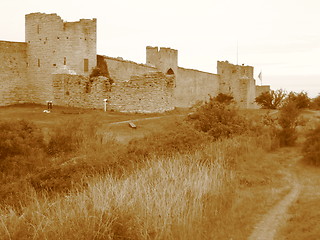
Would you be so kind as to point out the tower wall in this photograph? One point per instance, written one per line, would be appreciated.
(13, 73)
(164, 59)
(237, 81)
(53, 46)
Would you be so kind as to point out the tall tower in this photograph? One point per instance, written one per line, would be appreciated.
(55, 46)
(237, 81)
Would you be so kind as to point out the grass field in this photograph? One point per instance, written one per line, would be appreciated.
(153, 182)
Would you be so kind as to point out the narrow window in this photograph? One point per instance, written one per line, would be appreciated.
(38, 29)
(65, 61)
(86, 65)
(38, 62)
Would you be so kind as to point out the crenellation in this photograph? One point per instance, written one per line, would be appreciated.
(57, 58)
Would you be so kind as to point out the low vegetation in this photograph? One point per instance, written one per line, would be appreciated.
(77, 182)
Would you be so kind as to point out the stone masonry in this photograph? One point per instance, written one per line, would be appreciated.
(55, 61)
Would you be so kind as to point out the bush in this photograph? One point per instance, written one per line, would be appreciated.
(224, 98)
(20, 138)
(300, 99)
(315, 103)
(288, 120)
(183, 138)
(218, 120)
(271, 100)
(311, 147)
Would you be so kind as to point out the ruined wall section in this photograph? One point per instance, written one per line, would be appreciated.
(237, 81)
(80, 91)
(13, 73)
(144, 93)
(122, 70)
(193, 86)
(54, 46)
(147, 93)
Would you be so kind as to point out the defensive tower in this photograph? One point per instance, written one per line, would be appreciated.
(55, 46)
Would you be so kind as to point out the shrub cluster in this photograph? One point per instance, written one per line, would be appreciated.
(311, 147)
(19, 138)
(218, 120)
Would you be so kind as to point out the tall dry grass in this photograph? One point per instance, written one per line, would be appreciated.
(185, 196)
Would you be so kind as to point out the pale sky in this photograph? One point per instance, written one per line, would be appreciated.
(281, 38)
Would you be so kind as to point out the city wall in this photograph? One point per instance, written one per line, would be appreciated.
(13, 73)
(122, 70)
(54, 45)
(193, 85)
(144, 93)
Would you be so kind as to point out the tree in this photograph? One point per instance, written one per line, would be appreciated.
(300, 99)
(288, 120)
(272, 99)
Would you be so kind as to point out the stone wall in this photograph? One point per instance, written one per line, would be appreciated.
(146, 93)
(13, 73)
(54, 45)
(193, 86)
(122, 70)
(80, 91)
(237, 81)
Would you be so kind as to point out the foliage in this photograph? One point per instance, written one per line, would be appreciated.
(300, 99)
(272, 99)
(288, 120)
(19, 138)
(315, 103)
(218, 120)
(183, 138)
(224, 98)
(311, 147)
(96, 72)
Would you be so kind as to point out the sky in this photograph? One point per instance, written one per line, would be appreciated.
(280, 38)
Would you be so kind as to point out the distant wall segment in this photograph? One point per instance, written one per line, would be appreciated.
(13, 73)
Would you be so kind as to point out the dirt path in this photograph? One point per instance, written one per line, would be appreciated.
(141, 119)
(271, 222)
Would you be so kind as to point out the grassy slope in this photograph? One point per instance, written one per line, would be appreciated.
(226, 198)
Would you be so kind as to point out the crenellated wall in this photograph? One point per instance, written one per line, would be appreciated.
(58, 57)
(13, 73)
(54, 45)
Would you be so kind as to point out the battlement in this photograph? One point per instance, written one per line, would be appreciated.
(224, 68)
(165, 59)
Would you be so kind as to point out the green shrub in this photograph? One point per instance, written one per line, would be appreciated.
(19, 138)
(311, 147)
(288, 121)
(300, 99)
(271, 99)
(224, 98)
(218, 120)
(183, 138)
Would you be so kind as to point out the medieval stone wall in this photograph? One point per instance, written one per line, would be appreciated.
(54, 45)
(193, 86)
(13, 73)
(80, 91)
(122, 70)
(144, 93)
(237, 81)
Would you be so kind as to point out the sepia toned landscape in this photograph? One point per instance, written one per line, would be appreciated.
(177, 143)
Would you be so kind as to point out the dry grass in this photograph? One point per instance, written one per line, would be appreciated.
(303, 222)
(203, 195)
